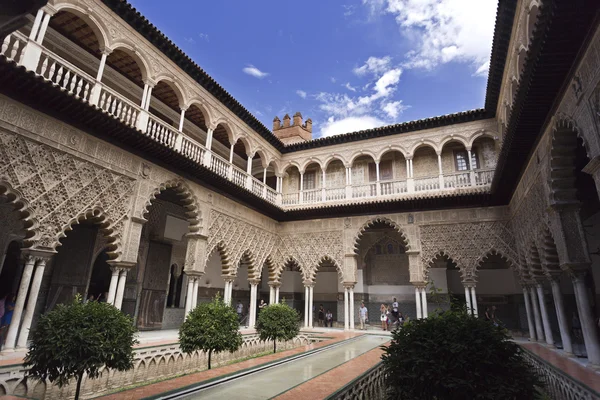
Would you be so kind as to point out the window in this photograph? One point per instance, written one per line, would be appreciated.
(309, 180)
(461, 157)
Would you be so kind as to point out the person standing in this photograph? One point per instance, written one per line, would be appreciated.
(321, 315)
(383, 318)
(329, 319)
(363, 314)
(9, 306)
(395, 310)
(239, 309)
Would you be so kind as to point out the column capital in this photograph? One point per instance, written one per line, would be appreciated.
(49, 9)
(106, 51)
(37, 255)
(122, 265)
(275, 284)
(576, 268)
(308, 283)
(469, 284)
(254, 282)
(349, 285)
(420, 284)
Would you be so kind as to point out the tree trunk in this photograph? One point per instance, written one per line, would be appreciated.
(274, 346)
(78, 389)
(209, 354)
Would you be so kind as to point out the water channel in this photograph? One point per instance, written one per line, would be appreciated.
(275, 380)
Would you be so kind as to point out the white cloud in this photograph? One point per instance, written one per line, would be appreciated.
(203, 36)
(349, 112)
(374, 65)
(332, 79)
(443, 31)
(483, 70)
(348, 9)
(393, 108)
(190, 40)
(301, 93)
(350, 124)
(349, 87)
(255, 72)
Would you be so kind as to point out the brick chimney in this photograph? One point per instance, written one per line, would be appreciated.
(296, 133)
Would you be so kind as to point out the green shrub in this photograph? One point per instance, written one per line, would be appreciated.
(452, 355)
(80, 338)
(278, 322)
(210, 327)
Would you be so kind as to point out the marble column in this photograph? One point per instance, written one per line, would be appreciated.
(424, 302)
(588, 326)
(468, 300)
(474, 301)
(310, 308)
(32, 301)
(539, 330)
(529, 312)
(306, 313)
(112, 289)
(346, 310)
(121, 288)
(351, 307)
(13, 330)
(190, 294)
(563, 325)
(195, 292)
(418, 301)
(277, 294)
(544, 312)
(253, 296)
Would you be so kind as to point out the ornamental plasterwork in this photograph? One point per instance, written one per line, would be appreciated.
(467, 244)
(59, 189)
(239, 238)
(309, 249)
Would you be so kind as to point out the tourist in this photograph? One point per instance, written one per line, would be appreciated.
(91, 298)
(488, 314)
(400, 320)
(384, 317)
(493, 316)
(389, 316)
(321, 315)
(102, 297)
(329, 319)
(395, 310)
(9, 306)
(262, 305)
(239, 309)
(363, 314)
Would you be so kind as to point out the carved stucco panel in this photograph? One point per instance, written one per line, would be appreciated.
(59, 188)
(467, 244)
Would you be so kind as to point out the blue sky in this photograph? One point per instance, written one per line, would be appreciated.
(348, 65)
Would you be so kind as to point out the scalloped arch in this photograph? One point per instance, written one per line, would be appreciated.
(187, 198)
(30, 224)
(107, 227)
(373, 221)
